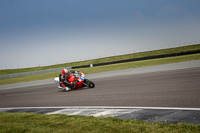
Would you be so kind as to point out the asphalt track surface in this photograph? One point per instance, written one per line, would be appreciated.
(173, 88)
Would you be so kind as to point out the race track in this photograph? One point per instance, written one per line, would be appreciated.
(172, 88)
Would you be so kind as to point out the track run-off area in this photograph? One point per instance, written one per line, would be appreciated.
(148, 93)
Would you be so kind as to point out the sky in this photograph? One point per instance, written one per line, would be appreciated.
(46, 32)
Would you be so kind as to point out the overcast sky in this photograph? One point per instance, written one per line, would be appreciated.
(46, 32)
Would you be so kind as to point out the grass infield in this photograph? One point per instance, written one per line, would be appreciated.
(30, 122)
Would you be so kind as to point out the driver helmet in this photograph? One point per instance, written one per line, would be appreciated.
(64, 72)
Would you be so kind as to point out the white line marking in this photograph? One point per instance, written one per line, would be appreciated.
(104, 113)
(95, 112)
(108, 107)
(76, 113)
(56, 112)
(115, 112)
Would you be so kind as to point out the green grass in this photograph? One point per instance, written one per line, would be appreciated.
(30, 122)
(105, 68)
(107, 59)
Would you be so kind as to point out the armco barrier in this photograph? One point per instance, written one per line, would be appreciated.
(142, 58)
(32, 73)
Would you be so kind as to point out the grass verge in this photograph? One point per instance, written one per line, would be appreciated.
(30, 122)
(106, 68)
(107, 59)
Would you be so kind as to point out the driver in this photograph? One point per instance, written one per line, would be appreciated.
(63, 79)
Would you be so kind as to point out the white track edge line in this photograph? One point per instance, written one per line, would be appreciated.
(107, 107)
